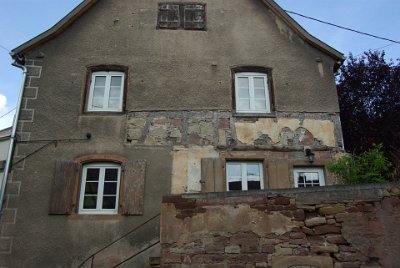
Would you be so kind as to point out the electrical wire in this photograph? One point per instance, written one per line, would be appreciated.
(6, 49)
(7, 112)
(344, 28)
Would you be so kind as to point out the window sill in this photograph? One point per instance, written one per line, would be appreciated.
(265, 115)
(114, 217)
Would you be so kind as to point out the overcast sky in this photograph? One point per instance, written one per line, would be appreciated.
(21, 20)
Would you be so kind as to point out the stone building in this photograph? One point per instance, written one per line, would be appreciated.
(127, 101)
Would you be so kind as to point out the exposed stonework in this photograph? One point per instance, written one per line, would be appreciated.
(293, 130)
(9, 213)
(275, 228)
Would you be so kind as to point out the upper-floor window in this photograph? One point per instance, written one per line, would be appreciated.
(251, 93)
(182, 16)
(308, 177)
(100, 188)
(106, 92)
(244, 176)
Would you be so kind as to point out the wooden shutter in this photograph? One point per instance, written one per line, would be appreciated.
(62, 188)
(133, 191)
(279, 175)
(168, 16)
(212, 175)
(194, 16)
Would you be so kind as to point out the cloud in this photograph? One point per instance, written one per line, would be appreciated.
(6, 119)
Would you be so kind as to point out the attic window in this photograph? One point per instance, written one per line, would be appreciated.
(181, 16)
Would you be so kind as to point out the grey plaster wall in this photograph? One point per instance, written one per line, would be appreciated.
(168, 70)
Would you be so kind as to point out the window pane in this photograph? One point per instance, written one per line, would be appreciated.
(116, 81)
(109, 202)
(100, 81)
(243, 82)
(113, 103)
(91, 188)
(259, 82)
(253, 169)
(243, 104)
(92, 174)
(235, 185)
(253, 185)
(115, 92)
(110, 188)
(260, 105)
(243, 93)
(90, 202)
(111, 174)
(259, 93)
(234, 170)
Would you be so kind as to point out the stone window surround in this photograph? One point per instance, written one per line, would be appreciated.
(86, 91)
(253, 69)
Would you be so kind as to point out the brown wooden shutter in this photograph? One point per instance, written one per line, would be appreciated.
(62, 188)
(212, 175)
(168, 16)
(279, 175)
(194, 16)
(133, 191)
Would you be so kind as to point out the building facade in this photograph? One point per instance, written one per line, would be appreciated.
(128, 101)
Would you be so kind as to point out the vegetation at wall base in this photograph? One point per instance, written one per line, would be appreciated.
(369, 98)
(368, 167)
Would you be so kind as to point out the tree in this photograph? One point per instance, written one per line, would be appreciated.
(369, 99)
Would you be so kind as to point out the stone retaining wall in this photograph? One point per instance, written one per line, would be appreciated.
(336, 226)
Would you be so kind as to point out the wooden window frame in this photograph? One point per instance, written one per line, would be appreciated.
(244, 175)
(182, 22)
(255, 70)
(87, 92)
(100, 194)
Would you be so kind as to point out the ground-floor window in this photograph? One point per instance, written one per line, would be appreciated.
(308, 176)
(244, 175)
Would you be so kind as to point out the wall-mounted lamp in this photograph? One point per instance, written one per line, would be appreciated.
(309, 155)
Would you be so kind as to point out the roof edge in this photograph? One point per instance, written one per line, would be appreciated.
(71, 17)
(306, 36)
(55, 30)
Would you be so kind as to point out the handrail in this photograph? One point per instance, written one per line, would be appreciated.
(115, 241)
(137, 253)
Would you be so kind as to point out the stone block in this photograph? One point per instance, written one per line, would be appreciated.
(283, 251)
(26, 114)
(8, 215)
(325, 249)
(280, 200)
(34, 71)
(336, 239)
(30, 92)
(332, 210)
(327, 229)
(315, 221)
(232, 249)
(299, 261)
(268, 249)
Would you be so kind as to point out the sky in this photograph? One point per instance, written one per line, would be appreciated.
(21, 20)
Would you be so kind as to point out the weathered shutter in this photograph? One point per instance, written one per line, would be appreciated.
(194, 16)
(168, 16)
(133, 191)
(279, 176)
(62, 187)
(212, 175)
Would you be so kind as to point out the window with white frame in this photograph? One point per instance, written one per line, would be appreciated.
(252, 93)
(308, 177)
(100, 188)
(244, 176)
(106, 92)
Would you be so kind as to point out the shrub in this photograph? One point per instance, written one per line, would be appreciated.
(369, 167)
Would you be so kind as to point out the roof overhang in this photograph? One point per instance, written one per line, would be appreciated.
(69, 19)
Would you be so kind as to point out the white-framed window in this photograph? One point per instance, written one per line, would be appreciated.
(100, 188)
(244, 176)
(106, 92)
(308, 177)
(252, 93)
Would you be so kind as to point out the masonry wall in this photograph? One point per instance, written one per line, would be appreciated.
(336, 226)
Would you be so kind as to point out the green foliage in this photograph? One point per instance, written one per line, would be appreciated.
(369, 167)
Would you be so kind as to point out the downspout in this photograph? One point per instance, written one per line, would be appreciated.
(18, 62)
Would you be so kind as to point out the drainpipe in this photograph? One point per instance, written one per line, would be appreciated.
(18, 62)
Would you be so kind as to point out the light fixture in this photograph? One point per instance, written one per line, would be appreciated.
(309, 155)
